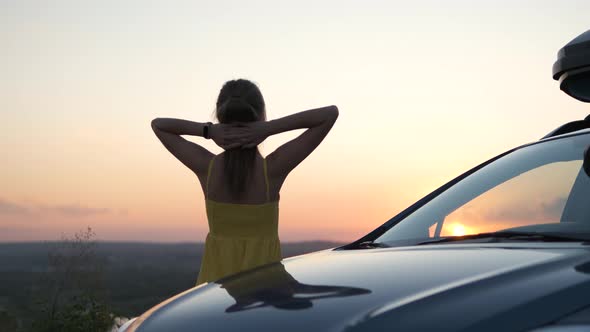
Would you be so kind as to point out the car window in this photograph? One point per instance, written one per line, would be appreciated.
(542, 184)
(534, 197)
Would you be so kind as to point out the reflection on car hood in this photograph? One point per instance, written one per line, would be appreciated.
(338, 290)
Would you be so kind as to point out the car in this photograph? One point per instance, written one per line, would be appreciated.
(502, 247)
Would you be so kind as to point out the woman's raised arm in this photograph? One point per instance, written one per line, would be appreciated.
(285, 158)
(192, 155)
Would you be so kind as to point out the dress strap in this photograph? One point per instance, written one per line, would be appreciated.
(208, 175)
(266, 180)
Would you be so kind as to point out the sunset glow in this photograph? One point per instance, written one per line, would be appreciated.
(81, 82)
(458, 230)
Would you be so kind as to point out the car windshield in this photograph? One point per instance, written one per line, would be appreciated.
(541, 189)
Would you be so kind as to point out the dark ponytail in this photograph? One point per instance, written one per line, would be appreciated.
(239, 101)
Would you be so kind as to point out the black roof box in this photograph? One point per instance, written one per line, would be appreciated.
(572, 68)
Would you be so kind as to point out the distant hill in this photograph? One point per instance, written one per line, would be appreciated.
(138, 275)
(32, 256)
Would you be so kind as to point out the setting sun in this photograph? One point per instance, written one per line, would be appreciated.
(458, 230)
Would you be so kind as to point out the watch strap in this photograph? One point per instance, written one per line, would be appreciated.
(207, 130)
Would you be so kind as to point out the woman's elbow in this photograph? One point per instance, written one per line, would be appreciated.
(333, 112)
(155, 123)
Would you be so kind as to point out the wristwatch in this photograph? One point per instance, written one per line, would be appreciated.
(206, 128)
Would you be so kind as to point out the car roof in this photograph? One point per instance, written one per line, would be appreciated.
(572, 133)
(570, 127)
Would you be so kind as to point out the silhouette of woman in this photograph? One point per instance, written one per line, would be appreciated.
(273, 286)
(241, 187)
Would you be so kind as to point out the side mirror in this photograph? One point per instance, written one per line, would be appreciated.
(572, 68)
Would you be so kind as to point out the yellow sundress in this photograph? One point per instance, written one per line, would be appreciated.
(240, 237)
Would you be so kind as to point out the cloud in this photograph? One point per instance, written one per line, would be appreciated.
(76, 210)
(66, 210)
(7, 207)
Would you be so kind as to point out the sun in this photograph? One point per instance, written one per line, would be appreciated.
(458, 230)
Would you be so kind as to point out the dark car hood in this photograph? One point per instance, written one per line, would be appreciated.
(337, 290)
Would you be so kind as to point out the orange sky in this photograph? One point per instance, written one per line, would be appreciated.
(425, 91)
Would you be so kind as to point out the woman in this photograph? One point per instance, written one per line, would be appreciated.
(241, 187)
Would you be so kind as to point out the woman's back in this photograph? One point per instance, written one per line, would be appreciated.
(215, 187)
(241, 235)
(246, 217)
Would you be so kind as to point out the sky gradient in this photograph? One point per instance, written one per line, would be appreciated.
(425, 90)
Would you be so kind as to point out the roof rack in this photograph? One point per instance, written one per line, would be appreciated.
(570, 127)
